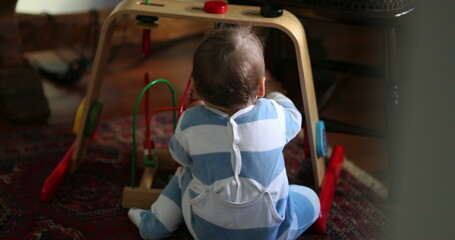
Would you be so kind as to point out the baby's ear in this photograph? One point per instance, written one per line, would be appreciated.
(261, 88)
(194, 90)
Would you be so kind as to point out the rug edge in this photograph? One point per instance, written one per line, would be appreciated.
(365, 178)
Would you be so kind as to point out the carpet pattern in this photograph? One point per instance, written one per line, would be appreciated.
(88, 203)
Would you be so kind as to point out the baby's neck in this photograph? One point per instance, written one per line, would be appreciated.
(230, 111)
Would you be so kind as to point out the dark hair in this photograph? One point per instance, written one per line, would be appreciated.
(228, 65)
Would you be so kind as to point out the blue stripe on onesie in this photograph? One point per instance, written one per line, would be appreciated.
(232, 183)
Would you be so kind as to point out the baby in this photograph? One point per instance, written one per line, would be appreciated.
(232, 182)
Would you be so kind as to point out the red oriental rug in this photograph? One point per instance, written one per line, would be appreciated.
(87, 205)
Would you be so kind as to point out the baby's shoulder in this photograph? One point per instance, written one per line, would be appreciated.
(200, 115)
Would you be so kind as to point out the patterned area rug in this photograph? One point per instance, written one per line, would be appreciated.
(88, 203)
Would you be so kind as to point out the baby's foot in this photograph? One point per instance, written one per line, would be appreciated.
(135, 215)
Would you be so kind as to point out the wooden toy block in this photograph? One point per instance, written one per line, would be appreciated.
(139, 197)
(145, 194)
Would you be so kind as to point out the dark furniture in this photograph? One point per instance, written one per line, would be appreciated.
(390, 16)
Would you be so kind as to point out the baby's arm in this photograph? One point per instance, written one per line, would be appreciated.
(178, 147)
(293, 118)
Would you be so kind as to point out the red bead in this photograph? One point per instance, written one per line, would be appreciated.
(145, 43)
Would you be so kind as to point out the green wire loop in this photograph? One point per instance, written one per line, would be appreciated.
(147, 2)
(136, 107)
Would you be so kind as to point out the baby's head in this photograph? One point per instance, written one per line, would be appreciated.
(228, 67)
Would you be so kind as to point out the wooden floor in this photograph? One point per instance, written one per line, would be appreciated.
(358, 101)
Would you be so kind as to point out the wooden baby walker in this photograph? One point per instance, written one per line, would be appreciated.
(150, 159)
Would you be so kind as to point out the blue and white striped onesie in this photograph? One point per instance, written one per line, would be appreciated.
(232, 182)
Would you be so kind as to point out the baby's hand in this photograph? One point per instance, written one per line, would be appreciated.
(272, 85)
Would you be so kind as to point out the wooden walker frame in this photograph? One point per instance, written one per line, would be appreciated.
(325, 178)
